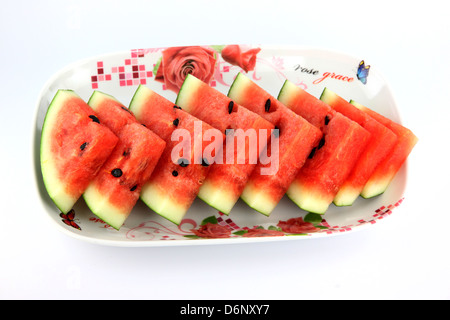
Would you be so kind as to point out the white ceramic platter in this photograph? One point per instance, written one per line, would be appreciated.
(119, 74)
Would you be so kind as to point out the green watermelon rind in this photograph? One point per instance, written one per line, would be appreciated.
(253, 197)
(216, 198)
(343, 198)
(300, 195)
(150, 195)
(372, 190)
(134, 106)
(347, 197)
(182, 101)
(304, 198)
(63, 201)
(99, 206)
(219, 199)
(257, 201)
(377, 186)
(327, 95)
(283, 94)
(96, 202)
(93, 99)
(234, 91)
(161, 204)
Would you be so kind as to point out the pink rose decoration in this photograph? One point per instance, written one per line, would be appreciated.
(178, 62)
(297, 225)
(234, 55)
(257, 232)
(211, 230)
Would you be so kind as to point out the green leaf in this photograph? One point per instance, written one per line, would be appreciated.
(313, 218)
(211, 219)
(240, 232)
(274, 228)
(218, 48)
(191, 236)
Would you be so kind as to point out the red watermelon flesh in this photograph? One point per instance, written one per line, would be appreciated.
(74, 145)
(387, 169)
(116, 189)
(315, 111)
(296, 138)
(226, 180)
(173, 186)
(110, 111)
(327, 168)
(381, 143)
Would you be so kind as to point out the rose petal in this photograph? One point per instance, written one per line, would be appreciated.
(177, 62)
(249, 59)
(234, 55)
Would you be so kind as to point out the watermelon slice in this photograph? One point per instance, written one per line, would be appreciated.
(381, 143)
(389, 166)
(174, 185)
(296, 138)
(111, 112)
(115, 190)
(327, 168)
(226, 180)
(74, 145)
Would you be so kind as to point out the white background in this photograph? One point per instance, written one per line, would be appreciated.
(406, 256)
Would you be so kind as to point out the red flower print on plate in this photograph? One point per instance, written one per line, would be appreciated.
(234, 55)
(212, 230)
(297, 225)
(260, 232)
(178, 62)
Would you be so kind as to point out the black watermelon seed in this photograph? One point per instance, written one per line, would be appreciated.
(230, 107)
(205, 162)
(175, 173)
(126, 152)
(126, 109)
(133, 188)
(321, 143)
(327, 120)
(144, 125)
(116, 172)
(311, 155)
(83, 146)
(177, 107)
(176, 122)
(228, 130)
(94, 118)
(267, 105)
(183, 162)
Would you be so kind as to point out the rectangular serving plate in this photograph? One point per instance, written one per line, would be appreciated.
(313, 69)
